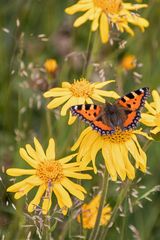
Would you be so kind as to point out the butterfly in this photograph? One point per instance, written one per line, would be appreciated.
(124, 113)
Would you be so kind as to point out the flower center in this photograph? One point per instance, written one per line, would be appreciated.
(109, 6)
(119, 136)
(82, 88)
(50, 171)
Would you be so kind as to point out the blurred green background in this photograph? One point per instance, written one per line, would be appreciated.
(32, 31)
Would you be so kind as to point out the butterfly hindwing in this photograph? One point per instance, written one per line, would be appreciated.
(132, 119)
(91, 114)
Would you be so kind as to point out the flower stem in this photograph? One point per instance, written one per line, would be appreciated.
(47, 227)
(95, 231)
(65, 228)
(124, 221)
(120, 200)
(88, 52)
(49, 123)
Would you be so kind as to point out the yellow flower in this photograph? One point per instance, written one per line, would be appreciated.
(152, 117)
(79, 92)
(116, 151)
(105, 12)
(128, 62)
(90, 211)
(51, 65)
(49, 175)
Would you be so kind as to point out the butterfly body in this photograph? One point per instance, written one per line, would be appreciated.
(124, 113)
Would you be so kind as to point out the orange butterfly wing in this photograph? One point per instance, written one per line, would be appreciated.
(130, 104)
(90, 113)
(133, 102)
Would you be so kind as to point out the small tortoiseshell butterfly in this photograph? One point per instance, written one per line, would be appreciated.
(124, 112)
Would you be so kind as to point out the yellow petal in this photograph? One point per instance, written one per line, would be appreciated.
(39, 149)
(132, 148)
(71, 102)
(23, 191)
(89, 101)
(95, 22)
(71, 174)
(80, 6)
(58, 101)
(81, 20)
(36, 200)
(148, 119)
(117, 160)
(108, 161)
(127, 29)
(70, 165)
(77, 186)
(60, 202)
(87, 144)
(50, 152)
(57, 92)
(32, 152)
(20, 172)
(130, 6)
(66, 85)
(139, 131)
(129, 168)
(72, 119)
(85, 161)
(71, 187)
(47, 202)
(155, 130)
(143, 160)
(156, 98)
(111, 94)
(150, 108)
(102, 84)
(104, 28)
(27, 158)
(32, 180)
(97, 145)
(78, 142)
(64, 194)
(98, 98)
(67, 159)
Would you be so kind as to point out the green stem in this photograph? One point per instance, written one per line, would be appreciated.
(124, 221)
(49, 123)
(88, 52)
(95, 231)
(47, 229)
(65, 228)
(120, 200)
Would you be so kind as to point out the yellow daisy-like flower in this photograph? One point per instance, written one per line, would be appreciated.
(105, 12)
(152, 117)
(115, 148)
(79, 92)
(51, 65)
(90, 211)
(128, 62)
(49, 175)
